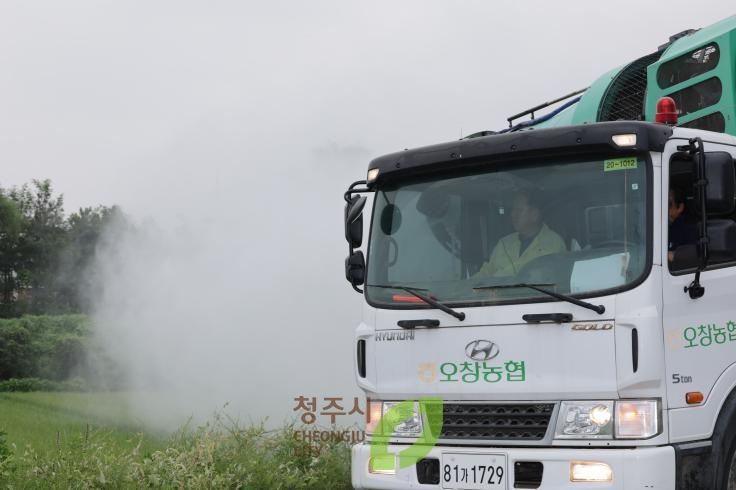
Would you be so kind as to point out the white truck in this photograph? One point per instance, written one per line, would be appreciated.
(597, 351)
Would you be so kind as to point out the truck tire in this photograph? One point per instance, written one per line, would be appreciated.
(727, 473)
(731, 481)
(723, 455)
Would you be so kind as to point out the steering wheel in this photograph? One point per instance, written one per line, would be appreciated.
(550, 268)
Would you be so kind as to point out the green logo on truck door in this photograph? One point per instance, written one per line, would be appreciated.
(708, 335)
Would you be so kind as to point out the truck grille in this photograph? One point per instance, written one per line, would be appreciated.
(518, 421)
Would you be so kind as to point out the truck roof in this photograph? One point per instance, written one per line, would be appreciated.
(579, 140)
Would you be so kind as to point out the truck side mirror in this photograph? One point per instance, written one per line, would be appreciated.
(715, 189)
(354, 221)
(721, 190)
(355, 268)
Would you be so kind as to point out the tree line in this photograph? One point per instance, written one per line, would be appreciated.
(45, 256)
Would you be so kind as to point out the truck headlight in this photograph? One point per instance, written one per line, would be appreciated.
(585, 419)
(404, 416)
(606, 419)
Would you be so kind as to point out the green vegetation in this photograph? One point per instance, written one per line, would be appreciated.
(54, 432)
(46, 421)
(82, 440)
(51, 353)
(45, 256)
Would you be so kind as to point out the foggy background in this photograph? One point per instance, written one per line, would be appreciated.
(229, 130)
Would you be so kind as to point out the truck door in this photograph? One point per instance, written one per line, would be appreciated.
(699, 334)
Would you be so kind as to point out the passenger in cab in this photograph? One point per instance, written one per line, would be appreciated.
(532, 238)
(681, 231)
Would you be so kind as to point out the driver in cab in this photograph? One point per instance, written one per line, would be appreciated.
(532, 238)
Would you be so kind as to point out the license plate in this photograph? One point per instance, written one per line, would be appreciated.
(473, 471)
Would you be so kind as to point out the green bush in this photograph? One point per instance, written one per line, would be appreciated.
(16, 350)
(54, 348)
(38, 384)
(28, 384)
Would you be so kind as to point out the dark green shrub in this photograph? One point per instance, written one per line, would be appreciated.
(47, 347)
(29, 384)
(38, 384)
(16, 351)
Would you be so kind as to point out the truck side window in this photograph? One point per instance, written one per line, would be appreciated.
(684, 219)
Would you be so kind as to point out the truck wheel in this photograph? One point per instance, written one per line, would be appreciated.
(731, 481)
(727, 474)
(720, 466)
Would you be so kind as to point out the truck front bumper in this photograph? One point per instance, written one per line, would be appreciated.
(633, 468)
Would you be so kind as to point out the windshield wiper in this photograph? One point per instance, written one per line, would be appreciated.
(431, 302)
(600, 309)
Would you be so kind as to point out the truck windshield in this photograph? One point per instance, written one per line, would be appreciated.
(575, 227)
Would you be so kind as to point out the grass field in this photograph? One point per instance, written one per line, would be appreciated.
(49, 421)
(91, 440)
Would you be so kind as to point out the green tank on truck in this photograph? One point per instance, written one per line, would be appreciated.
(550, 305)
